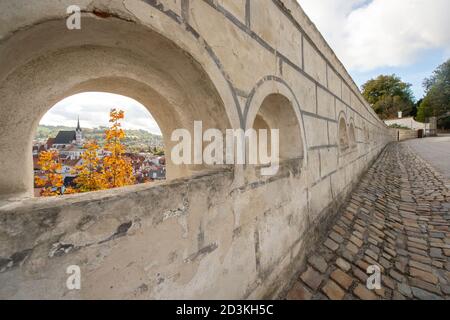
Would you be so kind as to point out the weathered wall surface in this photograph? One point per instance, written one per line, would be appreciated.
(409, 123)
(212, 232)
(403, 134)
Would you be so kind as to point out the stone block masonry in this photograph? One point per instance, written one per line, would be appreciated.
(208, 232)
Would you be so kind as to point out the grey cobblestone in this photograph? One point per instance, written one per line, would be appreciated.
(397, 218)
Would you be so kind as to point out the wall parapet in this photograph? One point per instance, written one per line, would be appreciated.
(226, 233)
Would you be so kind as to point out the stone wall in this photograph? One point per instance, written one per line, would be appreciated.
(403, 134)
(408, 123)
(207, 232)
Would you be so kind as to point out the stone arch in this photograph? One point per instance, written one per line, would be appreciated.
(272, 104)
(343, 138)
(109, 55)
(351, 134)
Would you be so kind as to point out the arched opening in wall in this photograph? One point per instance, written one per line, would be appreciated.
(277, 112)
(261, 124)
(46, 63)
(79, 146)
(343, 136)
(375, 135)
(365, 133)
(351, 135)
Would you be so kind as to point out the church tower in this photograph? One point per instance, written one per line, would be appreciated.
(79, 134)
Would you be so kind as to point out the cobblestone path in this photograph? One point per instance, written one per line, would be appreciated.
(398, 218)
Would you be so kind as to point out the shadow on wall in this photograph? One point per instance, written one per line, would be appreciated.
(100, 61)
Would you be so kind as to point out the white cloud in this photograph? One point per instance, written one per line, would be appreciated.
(381, 33)
(93, 109)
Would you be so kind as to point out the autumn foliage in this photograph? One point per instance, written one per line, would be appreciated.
(52, 181)
(117, 168)
(90, 172)
(113, 170)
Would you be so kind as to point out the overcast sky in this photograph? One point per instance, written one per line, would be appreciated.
(407, 37)
(93, 109)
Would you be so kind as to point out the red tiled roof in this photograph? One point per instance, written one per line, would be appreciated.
(70, 162)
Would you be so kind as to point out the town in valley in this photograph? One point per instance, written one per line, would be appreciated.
(147, 160)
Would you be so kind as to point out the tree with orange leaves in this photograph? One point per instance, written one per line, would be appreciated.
(117, 169)
(52, 182)
(90, 175)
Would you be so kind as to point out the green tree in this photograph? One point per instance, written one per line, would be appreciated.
(436, 102)
(388, 95)
(158, 151)
(415, 108)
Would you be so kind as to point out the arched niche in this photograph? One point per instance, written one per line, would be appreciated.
(276, 112)
(343, 138)
(273, 105)
(351, 134)
(111, 55)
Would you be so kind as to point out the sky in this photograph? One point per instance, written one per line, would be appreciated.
(409, 38)
(93, 109)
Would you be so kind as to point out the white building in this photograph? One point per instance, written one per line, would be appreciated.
(408, 123)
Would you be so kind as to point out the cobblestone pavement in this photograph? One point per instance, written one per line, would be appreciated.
(434, 150)
(398, 218)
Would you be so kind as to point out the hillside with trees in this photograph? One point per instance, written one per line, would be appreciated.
(135, 140)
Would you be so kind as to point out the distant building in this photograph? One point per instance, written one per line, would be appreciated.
(409, 123)
(72, 152)
(147, 167)
(68, 165)
(429, 128)
(64, 138)
(68, 143)
(67, 138)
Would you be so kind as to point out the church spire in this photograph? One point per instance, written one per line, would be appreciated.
(79, 134)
